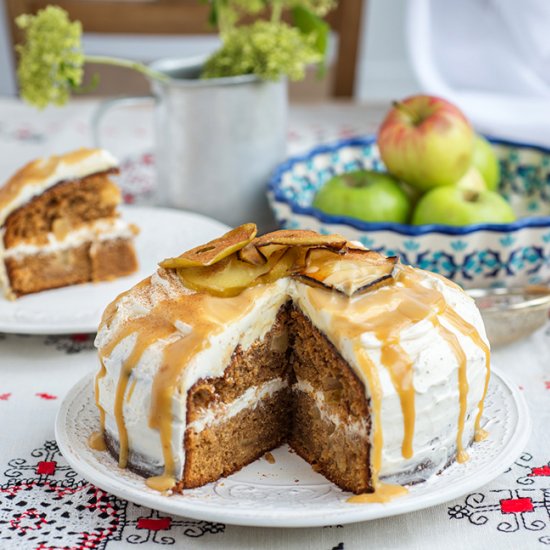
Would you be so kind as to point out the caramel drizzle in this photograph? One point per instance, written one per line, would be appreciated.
(125, 373)
(96, 440)
(452, 341)
(469, 330)
(383, 492)
(131, 390)
(207, 316)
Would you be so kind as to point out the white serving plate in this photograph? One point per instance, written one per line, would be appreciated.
(78, 308)
(289, 493)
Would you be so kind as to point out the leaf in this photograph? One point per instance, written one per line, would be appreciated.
(310, 23)
(213, 15)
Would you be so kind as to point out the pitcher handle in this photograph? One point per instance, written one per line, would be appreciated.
(107, 105)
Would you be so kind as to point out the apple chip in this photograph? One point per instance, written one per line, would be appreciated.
(350, 272)
(259, 250)
(214, 251)
(299, 237)
(230, 276)
(251, 255)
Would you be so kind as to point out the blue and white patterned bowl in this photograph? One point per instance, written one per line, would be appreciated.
(480, 255)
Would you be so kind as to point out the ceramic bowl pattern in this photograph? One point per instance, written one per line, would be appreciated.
(480, 255)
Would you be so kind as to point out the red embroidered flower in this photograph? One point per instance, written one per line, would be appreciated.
(46, 396)
(154, 524)
(516, 505)
(542, 471)
(4, 396)
(46, 467)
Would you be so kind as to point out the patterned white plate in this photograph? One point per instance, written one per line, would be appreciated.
(78, 308)
(289, 493)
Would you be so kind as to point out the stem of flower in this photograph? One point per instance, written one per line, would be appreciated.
(134, 65)
(223, 19)
(276, 11)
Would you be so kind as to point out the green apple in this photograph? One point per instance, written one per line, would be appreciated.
(452, 205)
(485, 160)
(364, 194)
(426, 142)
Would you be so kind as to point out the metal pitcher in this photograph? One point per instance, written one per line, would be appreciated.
(217, 141)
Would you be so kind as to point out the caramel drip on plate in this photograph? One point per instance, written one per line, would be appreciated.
(203, 316)
(96, 441)
(469, 330)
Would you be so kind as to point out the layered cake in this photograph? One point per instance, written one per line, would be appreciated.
(59, 224)
(372, 371)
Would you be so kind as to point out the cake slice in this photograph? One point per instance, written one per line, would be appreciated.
(59, 224)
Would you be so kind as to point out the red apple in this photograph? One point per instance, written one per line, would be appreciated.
(426, 142)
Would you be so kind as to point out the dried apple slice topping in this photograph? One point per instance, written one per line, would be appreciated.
(230, 264)
(260, 250)
(351, 272)
(288, 237)
(213, 252)
(251, 255)
(231, 276)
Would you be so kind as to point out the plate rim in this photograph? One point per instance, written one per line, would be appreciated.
(86, 328)
(521, 433)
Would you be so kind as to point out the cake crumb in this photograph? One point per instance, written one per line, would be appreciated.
(270, 458)
(178, 488)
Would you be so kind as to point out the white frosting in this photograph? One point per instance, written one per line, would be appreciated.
(97, 161)
(249, 399)
(98, 230)
(435, 371)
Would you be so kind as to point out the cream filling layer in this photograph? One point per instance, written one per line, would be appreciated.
(99, 230)
(249, 399)
(357, 428)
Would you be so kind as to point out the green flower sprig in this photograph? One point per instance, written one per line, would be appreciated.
(265, 49)
(51, 59)
(269, 49)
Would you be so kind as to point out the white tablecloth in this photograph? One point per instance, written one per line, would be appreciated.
(44, 504)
